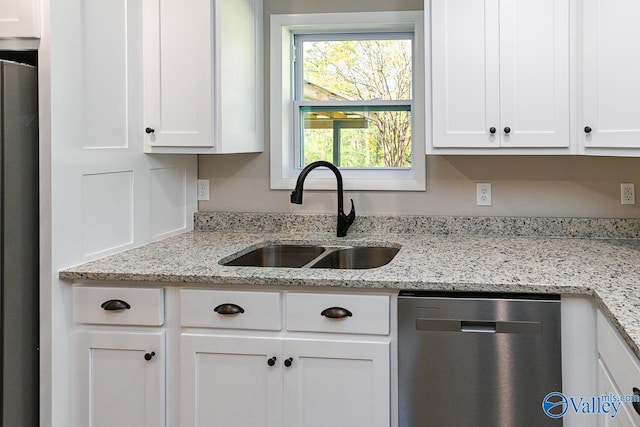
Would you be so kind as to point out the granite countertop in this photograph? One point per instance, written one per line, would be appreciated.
(600, 258)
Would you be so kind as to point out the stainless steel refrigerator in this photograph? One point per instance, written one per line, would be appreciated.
(19, 244)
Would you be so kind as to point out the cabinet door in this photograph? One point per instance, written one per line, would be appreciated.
(238, 76)
(611, 87)
(620, 365)
(228, 381)
(19, 18)
(465, 73)
(336, 383)
(534, 73)
(606, 387)
(115, 384)
(178, 49)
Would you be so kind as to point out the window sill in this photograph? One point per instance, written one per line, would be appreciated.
(406, 180)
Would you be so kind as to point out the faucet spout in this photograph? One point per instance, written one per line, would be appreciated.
(344, 220)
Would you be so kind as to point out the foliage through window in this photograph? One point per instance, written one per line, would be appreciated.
(353, 97)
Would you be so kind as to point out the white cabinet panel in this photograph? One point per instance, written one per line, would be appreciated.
(116, 385)
(227, 381)
(336, 381)
(611, 86)
(107, 211)
(534, 73)
(465, 73)
(622, 367)
(607, 387)
(107, 28)
(177, 69)
(168, 198)
(238, 75)
(19, 18)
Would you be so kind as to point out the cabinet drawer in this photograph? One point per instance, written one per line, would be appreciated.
(621, 363)
(214, 309)
(363, 314)
(145, 306)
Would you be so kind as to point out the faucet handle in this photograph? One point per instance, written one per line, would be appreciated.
(344, 221)
(352, 213)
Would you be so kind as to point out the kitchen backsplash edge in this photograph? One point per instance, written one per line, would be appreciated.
(592, 228)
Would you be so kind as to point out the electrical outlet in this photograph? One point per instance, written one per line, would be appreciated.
(203, 189)
(627, 194)
(483, 194)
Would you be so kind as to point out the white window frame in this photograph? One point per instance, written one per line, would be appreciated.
(284, 170)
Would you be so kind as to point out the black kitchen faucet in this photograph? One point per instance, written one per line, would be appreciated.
(344, 221)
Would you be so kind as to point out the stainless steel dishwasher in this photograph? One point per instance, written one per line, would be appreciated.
(477, 359)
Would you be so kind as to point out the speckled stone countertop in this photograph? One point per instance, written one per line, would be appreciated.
(600, 258)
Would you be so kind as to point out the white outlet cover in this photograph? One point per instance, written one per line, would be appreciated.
(627, 194)
(483, 194)
(203, 189)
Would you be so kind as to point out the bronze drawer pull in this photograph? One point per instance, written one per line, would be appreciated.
(115, 304)
(336, 313)
(228, 308)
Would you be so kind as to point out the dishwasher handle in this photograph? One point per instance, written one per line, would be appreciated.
(479, 326)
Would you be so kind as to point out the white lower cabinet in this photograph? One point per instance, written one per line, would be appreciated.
(119, 364)
(606, 386)
(336, 382)
(229, 381)
(119, 379)
(268, 382)
(618, 374)
(237, 358)
(234, 375)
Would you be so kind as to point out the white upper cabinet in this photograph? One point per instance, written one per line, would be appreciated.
(19, 18)
(203, 72)
(610, 78)
(465, 73)
(500, 76)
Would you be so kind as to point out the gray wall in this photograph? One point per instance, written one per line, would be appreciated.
(522, 185)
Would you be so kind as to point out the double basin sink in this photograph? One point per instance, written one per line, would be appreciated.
(316, 256)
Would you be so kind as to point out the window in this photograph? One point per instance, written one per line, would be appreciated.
(353, 99)
(349, 89)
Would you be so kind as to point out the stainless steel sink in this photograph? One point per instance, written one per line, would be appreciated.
(357, 257)
(315, 256)
(278, 256)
